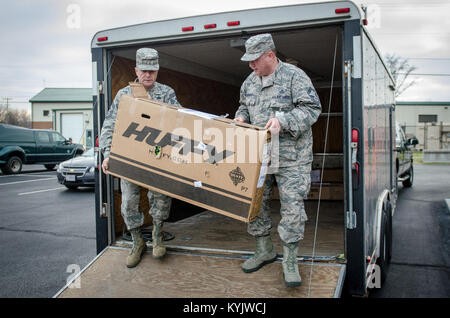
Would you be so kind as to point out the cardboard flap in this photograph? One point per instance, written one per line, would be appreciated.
(138, 90)
(239, 124)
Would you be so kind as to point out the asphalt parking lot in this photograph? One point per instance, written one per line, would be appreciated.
(47, 232)
(420, 265)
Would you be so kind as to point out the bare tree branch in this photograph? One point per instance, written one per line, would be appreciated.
(400, 70)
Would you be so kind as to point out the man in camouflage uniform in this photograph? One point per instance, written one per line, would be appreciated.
(146, 69)
(280, 97)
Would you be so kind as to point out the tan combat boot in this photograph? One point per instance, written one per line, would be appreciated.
(159, 250)
(264, 254)
(139, 247)
(290, 268)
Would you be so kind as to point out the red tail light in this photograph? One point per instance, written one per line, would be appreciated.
(233, 23)
(102, 39)
(355, 136)
(342, 10)
(189, 28)
(210, 26)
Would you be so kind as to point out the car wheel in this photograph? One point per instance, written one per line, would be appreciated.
(71, 187)
(13, 165)
(409, 182)
(49, 167)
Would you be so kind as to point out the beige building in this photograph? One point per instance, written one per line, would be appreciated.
(428, 121)
(67, 110)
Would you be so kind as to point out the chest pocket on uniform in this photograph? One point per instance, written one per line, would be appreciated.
(251, 106)
(158, 96)
(281, 99)
(250, 100)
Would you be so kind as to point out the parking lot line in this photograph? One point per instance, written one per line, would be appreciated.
(16, 182)
(26, 175)
(38, 191)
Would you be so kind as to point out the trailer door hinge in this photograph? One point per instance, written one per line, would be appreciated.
(100, 87)
(351, 220)
(104, 210)
(348, 69)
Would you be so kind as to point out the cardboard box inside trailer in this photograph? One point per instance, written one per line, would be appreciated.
(196, 157)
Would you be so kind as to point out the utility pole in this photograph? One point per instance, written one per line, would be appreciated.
(7, 110)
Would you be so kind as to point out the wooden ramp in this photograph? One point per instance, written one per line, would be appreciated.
(189, 275)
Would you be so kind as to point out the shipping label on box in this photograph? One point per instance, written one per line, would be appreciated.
(193, 156)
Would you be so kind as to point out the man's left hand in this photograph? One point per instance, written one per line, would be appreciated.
(273, 125)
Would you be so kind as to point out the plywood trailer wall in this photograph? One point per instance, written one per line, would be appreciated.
(192, 91)
(335, 139)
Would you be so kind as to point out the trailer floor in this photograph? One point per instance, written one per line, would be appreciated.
(184, 275)
(209, 230)
(204, 260)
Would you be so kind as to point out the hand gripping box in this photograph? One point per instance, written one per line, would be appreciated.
(206, 160)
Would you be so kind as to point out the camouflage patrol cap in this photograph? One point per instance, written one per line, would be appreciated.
(147, 59)
(256, 46)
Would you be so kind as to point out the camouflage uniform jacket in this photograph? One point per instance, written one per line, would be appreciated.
(159, 92)
(290, 96)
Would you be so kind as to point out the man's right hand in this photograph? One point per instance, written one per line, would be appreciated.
(105, 165)
(239, 119)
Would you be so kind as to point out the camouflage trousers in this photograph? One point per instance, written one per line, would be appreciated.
(133, 217)
(293, 185)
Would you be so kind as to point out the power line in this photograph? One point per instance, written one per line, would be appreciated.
(424, 74)
(420, 3)
(430, 58)
(410, 34)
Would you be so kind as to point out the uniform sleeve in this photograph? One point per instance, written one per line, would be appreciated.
(171, 98)
(108, 126)
(243, 109)
(306, 109)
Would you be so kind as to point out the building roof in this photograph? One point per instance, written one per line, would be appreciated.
(68, 95)
(416, 103)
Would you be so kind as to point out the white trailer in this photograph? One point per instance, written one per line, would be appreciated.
(349, 233)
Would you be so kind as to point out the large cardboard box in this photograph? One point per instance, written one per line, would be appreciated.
(206, 160)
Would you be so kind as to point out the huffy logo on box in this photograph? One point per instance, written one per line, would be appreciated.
(152, 137)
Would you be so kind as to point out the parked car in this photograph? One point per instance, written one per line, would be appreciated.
(404, 156)
(78, 171)
(19, 146)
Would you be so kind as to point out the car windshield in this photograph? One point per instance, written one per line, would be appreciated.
(89, 153)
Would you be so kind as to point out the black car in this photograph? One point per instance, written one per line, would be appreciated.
(404, 157)
(79, 171)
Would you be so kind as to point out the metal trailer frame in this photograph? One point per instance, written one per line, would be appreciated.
(360, 260)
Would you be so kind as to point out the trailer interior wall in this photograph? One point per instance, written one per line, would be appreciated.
(207, 74)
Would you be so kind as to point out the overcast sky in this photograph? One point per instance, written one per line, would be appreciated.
(47, 43)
